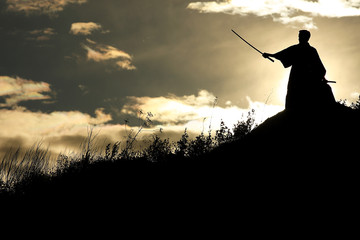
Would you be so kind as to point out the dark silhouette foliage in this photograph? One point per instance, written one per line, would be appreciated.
(182, 147)
(224, 134)
(243, 165)
(242, 128)
(158, 150)
(200, 145)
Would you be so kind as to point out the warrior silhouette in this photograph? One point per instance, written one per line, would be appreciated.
(307, 84)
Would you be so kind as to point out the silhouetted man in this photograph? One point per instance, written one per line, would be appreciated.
(307, 86)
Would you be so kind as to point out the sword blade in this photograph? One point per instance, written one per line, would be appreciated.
(250, 44)
(246, 42)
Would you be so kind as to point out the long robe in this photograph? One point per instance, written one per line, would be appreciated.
(305, 86)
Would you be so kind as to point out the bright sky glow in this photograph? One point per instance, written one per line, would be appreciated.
(69, 64)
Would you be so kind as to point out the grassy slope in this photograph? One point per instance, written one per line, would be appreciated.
(287, 152)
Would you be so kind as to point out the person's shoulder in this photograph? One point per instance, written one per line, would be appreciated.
(306, 47)
(291, 48)
(313, 49)
(294, 46)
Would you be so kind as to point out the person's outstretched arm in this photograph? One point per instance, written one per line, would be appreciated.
(286, 56)
(266, 55)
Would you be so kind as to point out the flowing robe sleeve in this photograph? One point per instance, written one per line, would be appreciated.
(286, 56)
(305, 61)
(307, 71)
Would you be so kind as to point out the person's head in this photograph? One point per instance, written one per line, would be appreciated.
(304, 36)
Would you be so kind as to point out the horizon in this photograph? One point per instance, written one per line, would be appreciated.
(70, 64)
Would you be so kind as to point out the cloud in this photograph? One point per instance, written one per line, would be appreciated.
(84, 28)
(172, 109)
(105, 53)
(56, 129)
(100, 53)
(194, 111)
(49, 7)
(284, 11)
(64, 131)
(22, 122)
(42, 34)
(15, 90)
(125, 64)
(84, 89)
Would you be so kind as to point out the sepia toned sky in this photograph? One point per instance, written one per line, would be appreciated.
(69, 64)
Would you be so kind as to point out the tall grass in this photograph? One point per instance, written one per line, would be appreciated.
(18, 164)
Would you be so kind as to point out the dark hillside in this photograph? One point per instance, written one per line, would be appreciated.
(324, 132)
(328, 134)
(289, 154)
(303, 147)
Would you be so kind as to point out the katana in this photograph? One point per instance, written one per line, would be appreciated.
(251, 45)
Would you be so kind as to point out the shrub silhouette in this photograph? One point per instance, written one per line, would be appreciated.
(243, 127)
(158, 150)
(200, 145)
(356, 105)
(182, 146)
(224, 134)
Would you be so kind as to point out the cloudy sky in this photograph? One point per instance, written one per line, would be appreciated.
(69, 64)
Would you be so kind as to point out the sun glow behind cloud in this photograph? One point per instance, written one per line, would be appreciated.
(293, 12)
(63, 131)
(196, 112)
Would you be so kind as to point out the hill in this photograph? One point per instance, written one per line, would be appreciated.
(313, 152)
(314, 134)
